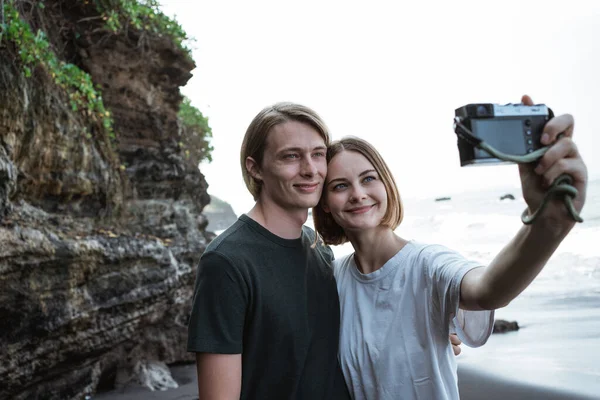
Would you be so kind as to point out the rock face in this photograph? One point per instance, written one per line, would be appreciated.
(97, 264)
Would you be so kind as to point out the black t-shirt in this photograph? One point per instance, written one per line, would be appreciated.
(274, 301)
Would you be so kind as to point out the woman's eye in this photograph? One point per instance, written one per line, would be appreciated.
(369, 179)
(339, 186)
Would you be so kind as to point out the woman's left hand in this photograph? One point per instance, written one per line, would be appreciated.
(456, 342)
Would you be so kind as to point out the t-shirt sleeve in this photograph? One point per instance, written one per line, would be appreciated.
(328, 254)
(322, 248)
(219, 307)
(447, 269)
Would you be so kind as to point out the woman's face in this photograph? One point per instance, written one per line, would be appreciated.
(354, 193)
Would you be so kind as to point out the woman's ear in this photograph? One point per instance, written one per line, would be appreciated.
(253, 168)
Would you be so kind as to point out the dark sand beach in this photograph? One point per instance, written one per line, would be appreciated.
(473, 385)
(185, 375)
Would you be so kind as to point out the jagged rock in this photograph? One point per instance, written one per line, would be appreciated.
(97, 265)
(155, 376)
(8, 182)
(507, 196)
(502, 326)
(59, 168)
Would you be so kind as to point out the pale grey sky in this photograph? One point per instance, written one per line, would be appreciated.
(391, 72)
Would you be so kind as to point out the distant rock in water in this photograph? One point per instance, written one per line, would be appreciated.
(507, 196)
(502, 326)
(443, 198)
(220, 214)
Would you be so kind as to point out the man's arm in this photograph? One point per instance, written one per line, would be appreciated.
(215, 329)
(515, 267)
(219, 376)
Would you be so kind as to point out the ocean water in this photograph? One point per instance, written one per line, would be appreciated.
(558, 345)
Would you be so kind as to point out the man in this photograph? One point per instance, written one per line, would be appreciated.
(265, 318)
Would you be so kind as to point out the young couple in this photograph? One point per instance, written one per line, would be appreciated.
(267, 320)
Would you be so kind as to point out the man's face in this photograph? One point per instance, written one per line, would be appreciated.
(294, 166)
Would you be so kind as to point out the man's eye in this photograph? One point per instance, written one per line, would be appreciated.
(291, 156)
(319, 154)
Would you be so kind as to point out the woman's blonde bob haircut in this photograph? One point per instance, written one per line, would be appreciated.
(255, 140)
(325, 225)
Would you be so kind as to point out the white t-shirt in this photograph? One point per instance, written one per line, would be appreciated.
(395, 324)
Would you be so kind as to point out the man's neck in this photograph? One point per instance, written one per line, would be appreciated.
(283, 223)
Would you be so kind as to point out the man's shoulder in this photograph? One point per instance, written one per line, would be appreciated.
(226, 237)
(240, 235)
(243, 241)
(233, 250)
(317, 243)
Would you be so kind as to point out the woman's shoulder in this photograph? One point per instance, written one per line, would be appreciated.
(429, 255)
(426, 250)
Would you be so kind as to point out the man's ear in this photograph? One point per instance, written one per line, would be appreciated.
(253, 168)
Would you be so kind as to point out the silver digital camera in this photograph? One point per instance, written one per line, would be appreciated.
(514, 129)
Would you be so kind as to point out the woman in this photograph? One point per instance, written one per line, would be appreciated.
(400, 299)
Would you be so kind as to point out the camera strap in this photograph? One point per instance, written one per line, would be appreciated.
(561, 186)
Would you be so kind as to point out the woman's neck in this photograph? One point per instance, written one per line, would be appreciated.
(375, 247)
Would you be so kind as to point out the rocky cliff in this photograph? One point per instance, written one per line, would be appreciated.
(99, 237)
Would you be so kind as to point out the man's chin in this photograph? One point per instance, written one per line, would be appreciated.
(303, 206)
(310, 203)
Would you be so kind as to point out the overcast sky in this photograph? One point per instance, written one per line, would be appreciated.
(391, 72)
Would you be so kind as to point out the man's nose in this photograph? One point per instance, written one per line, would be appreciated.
(309, 167)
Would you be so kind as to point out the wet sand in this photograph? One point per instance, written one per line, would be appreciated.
(184, 375)
(473, 385)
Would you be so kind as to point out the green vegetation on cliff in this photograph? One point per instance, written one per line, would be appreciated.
(195, 143)
(35, 50)
(142, 15)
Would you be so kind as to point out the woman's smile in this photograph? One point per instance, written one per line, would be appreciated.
(360, 210)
